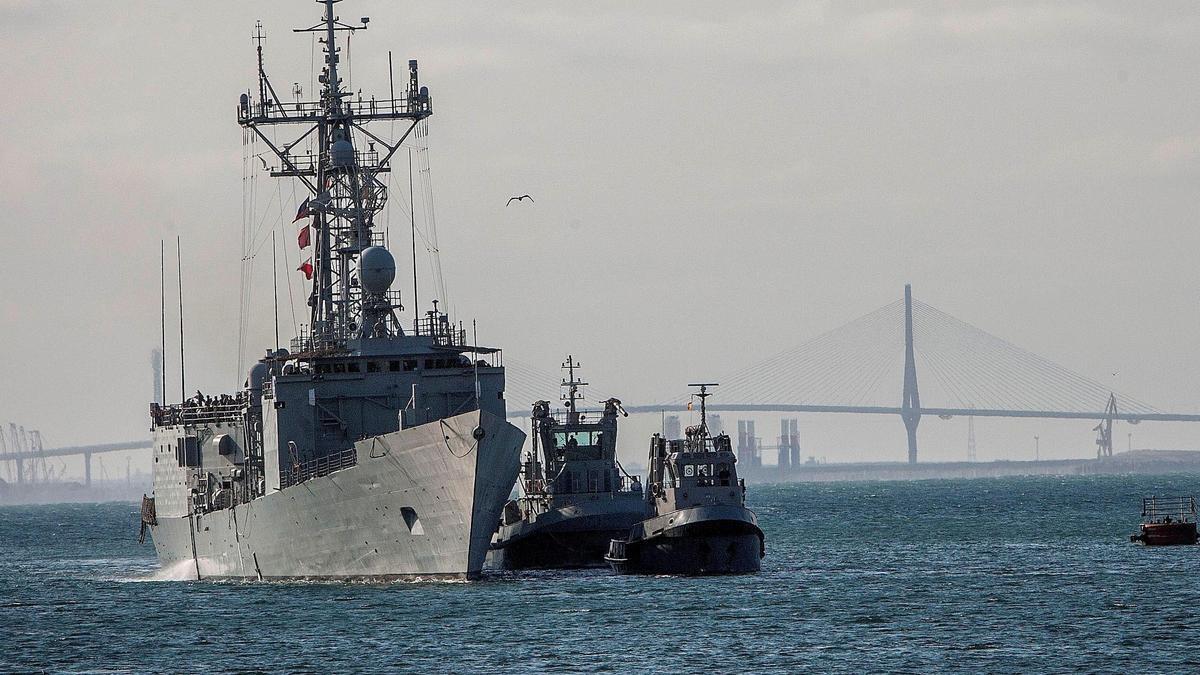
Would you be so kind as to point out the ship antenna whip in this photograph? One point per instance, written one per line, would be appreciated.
(475, 339)
(264, 82)
(275, 286)
(182, 361)
(262, 76)
(412, 219)
(162, 301)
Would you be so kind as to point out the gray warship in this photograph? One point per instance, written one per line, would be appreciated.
(696, 520)
(577, 497)
(368, 450)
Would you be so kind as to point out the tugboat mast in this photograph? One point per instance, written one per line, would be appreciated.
(703, 395)
(572, 386)
(345, 186)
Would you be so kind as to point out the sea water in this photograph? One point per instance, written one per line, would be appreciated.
(998, 575)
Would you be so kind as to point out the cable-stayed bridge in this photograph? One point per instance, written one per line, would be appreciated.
(911, 360)
(907, 359)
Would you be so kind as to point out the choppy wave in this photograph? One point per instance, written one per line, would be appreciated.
(1006, 575)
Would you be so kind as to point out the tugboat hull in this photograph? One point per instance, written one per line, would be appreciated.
(569, 538)
(695, 541)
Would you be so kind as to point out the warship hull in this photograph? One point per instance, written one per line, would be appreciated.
(693, 541)
(419, 503)
(567, 538)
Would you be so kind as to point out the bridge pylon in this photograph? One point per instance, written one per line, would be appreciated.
(910, 406)
(1104, 438)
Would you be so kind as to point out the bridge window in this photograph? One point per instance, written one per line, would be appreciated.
(394, 366)
(339, 367)
(573, 439)
(374, 366)
(410, 365)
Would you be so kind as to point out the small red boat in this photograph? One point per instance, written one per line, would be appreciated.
(1167, 521)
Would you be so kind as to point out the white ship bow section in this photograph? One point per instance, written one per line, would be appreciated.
(420, 502)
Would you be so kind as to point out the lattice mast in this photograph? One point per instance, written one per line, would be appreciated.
(343, 180)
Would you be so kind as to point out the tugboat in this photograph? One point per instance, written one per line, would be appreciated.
(577, 495)
(1167, 521)
(696, 518)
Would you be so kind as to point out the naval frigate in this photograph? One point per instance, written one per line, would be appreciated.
(369, 450)
(577, 497)
(696, 520)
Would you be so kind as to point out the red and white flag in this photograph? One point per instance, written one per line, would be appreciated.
(305, 237)
(307, 268)
(304, 211)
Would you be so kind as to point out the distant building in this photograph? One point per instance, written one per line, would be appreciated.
(671, 428)
(748, 453)
(715, 426)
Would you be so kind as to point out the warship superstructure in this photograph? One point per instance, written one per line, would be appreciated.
(577, 497)
(696, 520)
(369, 449)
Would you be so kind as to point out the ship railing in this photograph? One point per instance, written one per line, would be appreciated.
(410, 105)
(1168, 509)
(305, 164)
(586, 416)
(719, 443)
(437, 326)
(587, 486)
(394, 299)
(307, 342)
(299, 472)
(224, 410)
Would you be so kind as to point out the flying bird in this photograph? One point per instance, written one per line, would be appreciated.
(518, 199)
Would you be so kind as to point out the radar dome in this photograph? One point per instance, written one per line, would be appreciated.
(376, 269)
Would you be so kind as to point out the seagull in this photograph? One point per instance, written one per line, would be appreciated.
(518, 199)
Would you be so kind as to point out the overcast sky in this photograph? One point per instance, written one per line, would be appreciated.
(714, 183)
